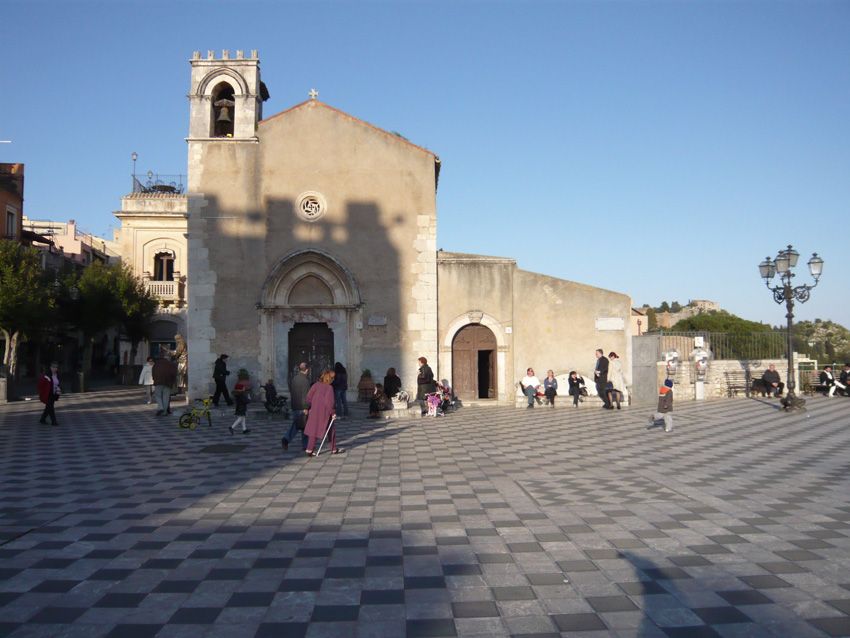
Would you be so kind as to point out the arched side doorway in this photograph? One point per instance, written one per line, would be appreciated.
(474, 363)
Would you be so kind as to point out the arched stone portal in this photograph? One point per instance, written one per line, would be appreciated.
(474, 363)
(501, 353)
(310, 304)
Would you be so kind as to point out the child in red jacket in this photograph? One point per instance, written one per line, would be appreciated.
(665, 406)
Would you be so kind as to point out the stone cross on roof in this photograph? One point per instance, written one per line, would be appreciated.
(313, 94)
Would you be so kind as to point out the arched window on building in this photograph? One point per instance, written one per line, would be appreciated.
(163, 267)
(224, 110)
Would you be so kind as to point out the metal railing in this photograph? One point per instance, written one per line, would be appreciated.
(728, 345)
(155, 183)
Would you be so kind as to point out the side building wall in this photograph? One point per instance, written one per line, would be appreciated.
(475, 289)
(558, 325)
(538, 321)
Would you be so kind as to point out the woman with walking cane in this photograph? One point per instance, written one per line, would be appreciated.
(320, 398)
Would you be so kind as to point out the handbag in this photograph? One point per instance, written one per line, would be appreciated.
(301, 422)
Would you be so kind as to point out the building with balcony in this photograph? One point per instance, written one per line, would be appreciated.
(152, 241)
(11, 199)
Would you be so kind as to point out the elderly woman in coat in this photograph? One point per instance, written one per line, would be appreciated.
(320, 398)
(425, 384)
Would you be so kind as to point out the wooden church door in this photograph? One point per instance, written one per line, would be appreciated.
(313, 343)
(474, 363)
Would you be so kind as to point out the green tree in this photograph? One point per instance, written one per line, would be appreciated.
(742, 339)
(675, 306)
(721, 321)
(26, 298)
(664, 307)
(137, 305)
(109, 296)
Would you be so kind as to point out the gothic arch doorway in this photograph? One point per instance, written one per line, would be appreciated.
(310, 310)
(474, 372)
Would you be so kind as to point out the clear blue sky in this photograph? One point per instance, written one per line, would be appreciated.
(661, 149)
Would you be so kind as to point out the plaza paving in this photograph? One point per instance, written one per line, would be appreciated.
(491, 521)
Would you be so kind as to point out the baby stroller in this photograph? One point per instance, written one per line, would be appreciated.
(441, 401)
(447, 397)
(274, 403)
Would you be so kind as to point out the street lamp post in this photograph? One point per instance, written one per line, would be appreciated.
(785, 261)
(134, 156)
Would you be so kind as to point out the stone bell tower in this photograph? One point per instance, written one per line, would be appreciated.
(225, 104)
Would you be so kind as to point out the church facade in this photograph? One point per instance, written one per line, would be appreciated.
(312, 236)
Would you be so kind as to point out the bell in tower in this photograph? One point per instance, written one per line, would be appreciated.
(223, 115)
(225, 98)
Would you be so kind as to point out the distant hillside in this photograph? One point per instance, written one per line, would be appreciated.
(825, 341)
(829, 341)
(667, 314)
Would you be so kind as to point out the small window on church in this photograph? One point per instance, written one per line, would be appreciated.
(224, 104)
(163, 267)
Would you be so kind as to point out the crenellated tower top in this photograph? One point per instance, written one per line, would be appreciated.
(226, 97)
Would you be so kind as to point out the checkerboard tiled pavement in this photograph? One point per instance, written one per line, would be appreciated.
(492, 521)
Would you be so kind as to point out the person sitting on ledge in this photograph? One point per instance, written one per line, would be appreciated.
(379, 402)
(530, 385)
(392, 383)
(771, 380)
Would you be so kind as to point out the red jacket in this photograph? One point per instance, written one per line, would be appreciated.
(45, 388)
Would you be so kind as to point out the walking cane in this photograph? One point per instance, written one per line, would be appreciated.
(324, 438)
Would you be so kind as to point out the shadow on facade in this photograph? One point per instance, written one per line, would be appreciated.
(287, 290)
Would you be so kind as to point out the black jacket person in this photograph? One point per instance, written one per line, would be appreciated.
(220, 373)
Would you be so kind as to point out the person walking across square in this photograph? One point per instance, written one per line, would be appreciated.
(600, 377)
(164, 375)
(146, 379)
(665, 407)
(299, 386)
(241, 396)
(220, 373)
(48, 393)
(320, 398)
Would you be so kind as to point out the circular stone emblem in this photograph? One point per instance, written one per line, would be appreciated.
(310, 206)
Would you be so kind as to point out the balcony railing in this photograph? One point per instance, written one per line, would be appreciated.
(164, 290)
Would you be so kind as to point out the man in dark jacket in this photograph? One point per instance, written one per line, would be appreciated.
(772, 382)
(600, 376)
(299, 386)
(220, 373)
(164, 375)
(844, 379)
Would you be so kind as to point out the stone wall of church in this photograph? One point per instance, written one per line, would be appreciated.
(376, 194)
(558, 324)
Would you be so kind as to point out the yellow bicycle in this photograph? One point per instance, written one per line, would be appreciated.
(192, 418)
